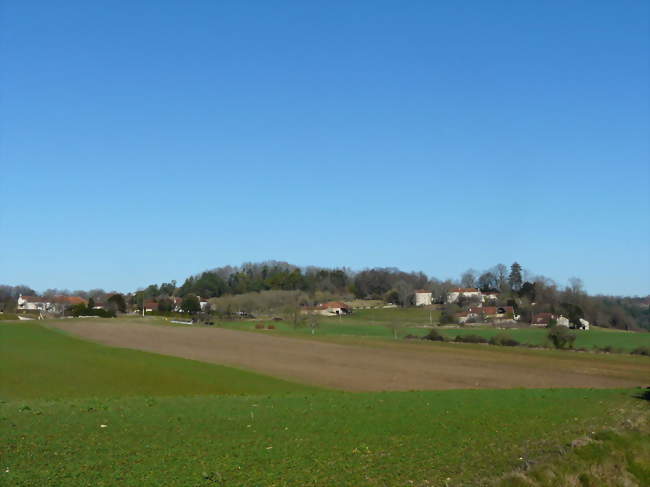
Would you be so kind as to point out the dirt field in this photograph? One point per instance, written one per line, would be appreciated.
(400, 366)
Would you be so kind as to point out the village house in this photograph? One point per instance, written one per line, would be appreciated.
(563, 321)
(542, 319)
(481, 313)
(34, 303)
(465, 292)
(51, 304)
(491, 296)
(423, 297)
(331, 308)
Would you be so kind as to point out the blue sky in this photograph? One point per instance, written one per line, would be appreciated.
(146, 141)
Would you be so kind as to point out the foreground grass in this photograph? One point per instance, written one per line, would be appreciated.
(321, 439)
(37, 362)
(611, 457)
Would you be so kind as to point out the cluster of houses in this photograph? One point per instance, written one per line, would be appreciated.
(543, 320)
(425, 298)
(152, 305)
(330, 308)
(58, 304)
(479, 312)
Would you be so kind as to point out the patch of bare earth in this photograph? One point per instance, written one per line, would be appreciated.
(356, 367)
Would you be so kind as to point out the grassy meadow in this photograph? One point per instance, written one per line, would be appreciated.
(378, 323)
(74, 413)
(38, 362)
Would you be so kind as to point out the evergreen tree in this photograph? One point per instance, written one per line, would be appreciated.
(515, 277)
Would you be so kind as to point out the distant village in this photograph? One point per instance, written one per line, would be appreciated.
(479, 308)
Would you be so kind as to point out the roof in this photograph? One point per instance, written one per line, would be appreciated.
(55, 299)
(465, 290)
(543, 317)
(34, 299)
(422, 291)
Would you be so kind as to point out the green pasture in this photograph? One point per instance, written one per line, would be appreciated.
(318, 439)
(623, 340)
(416, 321)
(73, 413)
(37, 362)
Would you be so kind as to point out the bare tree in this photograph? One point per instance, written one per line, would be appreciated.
(468, 278)
(404, 291)
(501, 273)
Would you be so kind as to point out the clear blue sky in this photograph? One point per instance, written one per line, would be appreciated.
(146, 141)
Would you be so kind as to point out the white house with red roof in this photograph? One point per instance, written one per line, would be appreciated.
(423, 297)
(52, 303)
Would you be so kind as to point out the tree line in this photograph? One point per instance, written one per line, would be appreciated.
(528, 293)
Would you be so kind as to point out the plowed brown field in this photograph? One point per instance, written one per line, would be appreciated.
(372, 367)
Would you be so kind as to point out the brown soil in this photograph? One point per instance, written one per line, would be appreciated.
(384, 366)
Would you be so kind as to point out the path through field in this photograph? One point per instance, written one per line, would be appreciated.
(400, 366)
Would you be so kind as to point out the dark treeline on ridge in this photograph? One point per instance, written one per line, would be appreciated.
(517, 287)
(527, 292)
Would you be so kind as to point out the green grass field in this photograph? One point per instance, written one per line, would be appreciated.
(36, 362)
(375, 323)
(624, 340)
(73, 413)
(306, 439)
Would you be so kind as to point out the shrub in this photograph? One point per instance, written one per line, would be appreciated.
(609, 349)
(259, 326)
(503, 339)
(641, 351)
(470, 339)
(271, 327)
(434, 335)
(560, 337)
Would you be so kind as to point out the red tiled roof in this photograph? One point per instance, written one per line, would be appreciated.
(464, 290)
(34, 299)
(543, 317)
(420, 291)
(491, 310)
(55, 299)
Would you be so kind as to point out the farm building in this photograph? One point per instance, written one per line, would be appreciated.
(563, 321)
(423, 297)
(52, 303)
(331, 308)
(491, 296)
(542, 319)
(480, 313)
(466, 292)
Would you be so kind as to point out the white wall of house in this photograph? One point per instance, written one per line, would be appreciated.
(453, 296)
(34, 305)
(423, 299)
(562, 321)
